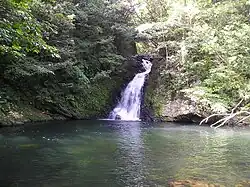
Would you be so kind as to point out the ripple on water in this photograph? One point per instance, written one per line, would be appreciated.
(1, 137)
(124, 155)
(19, 139)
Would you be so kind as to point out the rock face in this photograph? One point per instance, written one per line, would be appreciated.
(151, 101)
(160, 105)
(126, 73)
(177, 110)
(125, 45)
(181, 110)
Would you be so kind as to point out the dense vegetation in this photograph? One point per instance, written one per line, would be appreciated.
(58, 56)
(207, 49)
(61, 56)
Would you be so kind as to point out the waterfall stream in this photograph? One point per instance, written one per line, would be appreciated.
(128, 108)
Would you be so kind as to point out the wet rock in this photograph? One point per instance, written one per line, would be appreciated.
(134, 63)
(131, 66)
(147, 114)
(118, 117)
(149, 110)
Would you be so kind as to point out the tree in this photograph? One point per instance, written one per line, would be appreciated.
(207, 52)
(58, 54)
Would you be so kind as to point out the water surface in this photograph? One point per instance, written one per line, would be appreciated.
(111, 153)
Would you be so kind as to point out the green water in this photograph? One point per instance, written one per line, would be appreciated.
(104, 153)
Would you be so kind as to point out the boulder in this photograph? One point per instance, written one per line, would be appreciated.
(181, 110)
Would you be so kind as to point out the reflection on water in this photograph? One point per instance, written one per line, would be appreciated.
(112, 153)
(131, 153)
(208, 159)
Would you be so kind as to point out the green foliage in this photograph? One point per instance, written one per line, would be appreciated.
(58, 53)
(62, 54)
(207, 48)
(97, 25)
(21, 33)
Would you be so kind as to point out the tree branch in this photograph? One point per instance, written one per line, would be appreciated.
(207, 118)
(236, 106)
(228, 116)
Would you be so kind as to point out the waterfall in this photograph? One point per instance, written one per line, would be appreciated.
(129, 106)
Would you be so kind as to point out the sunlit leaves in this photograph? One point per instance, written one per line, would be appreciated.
(20, 31)
(216, 38)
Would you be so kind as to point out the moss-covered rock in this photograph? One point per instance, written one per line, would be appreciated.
(28, 101)
(19, 113)
(95, 101)
(165, 101)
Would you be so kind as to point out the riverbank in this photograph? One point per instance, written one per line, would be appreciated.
(162, 101)
(21, 103)
(20, 114)
(25, 115)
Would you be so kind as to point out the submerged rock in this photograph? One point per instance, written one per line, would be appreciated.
(193, 183)
(243, 184)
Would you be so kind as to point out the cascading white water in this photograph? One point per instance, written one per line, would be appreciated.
(128, 107)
